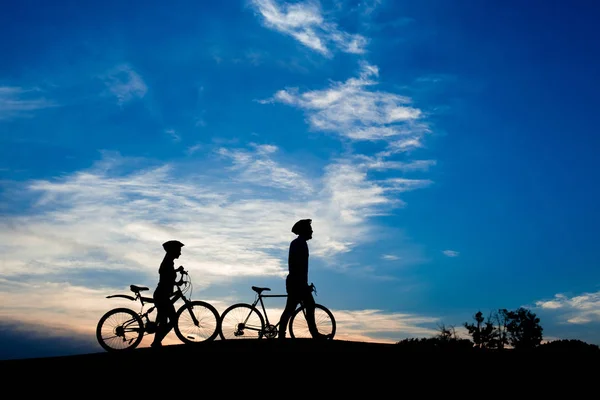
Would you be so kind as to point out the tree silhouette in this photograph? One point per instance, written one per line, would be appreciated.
(499, 319)
(446, 333)
(520, 328)
(484, 333)
(523, 327)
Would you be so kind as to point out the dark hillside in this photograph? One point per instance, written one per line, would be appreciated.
(345, 365)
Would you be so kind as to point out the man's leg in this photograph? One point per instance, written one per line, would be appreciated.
(309, 307)
(290, 306)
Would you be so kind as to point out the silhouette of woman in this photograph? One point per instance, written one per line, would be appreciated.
(165, 309)
(296, 283)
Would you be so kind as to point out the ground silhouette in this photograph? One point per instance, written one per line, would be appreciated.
(334, 367)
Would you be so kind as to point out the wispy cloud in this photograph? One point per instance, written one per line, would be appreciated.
(107, 219)
(357, 197)
(379, 163)
(581, 309)
(234, 217)
(304, 21)
(258, 167)
(193, 149)
(173, 134)
(18, 102)
(125, 84)
(355, 112)
(451, 253)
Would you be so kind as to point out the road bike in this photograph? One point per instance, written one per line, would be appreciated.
(245, 321)
(123, 328)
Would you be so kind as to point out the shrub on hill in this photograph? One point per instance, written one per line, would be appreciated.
(435, 343)
(570, 346)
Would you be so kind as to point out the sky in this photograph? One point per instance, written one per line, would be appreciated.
(445, 151)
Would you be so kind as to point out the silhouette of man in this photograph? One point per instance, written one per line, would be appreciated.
(296, 283)
(165, 310)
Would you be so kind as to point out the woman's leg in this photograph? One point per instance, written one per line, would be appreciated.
(161, 320)
(164, 313)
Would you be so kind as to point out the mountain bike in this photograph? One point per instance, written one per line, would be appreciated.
(245, 321)
(123, 328)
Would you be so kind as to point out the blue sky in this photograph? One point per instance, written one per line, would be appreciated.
(446, 152)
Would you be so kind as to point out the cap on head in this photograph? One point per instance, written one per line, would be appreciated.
(172, 245)
(301, 226)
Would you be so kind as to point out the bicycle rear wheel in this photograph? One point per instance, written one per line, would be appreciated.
(323, 317)
(120, 329)
(207, 328)
(242, 321)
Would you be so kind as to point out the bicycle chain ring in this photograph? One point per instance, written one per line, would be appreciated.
(270, 331)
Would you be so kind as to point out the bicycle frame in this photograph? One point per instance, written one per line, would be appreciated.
(253, 319)
(149, 300)
(259, 299)
(123, 328)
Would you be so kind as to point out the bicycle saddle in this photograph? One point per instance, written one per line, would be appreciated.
(259, 290)
(137, 289)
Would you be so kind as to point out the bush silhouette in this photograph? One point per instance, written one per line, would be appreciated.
(520, 328)
(435, 344)
(569, 346)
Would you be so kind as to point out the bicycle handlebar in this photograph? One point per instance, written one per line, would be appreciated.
(183, 272)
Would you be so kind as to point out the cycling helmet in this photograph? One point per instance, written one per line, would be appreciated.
(172, 245)
(301, 226)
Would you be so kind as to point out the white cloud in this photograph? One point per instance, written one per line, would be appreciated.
(354, 195)
(173, 134)
(378, 163)
(451, 253)
(17, 102)
(581, 309)
(234, 218)
(193, 149)
(304, 21)
(258, 168)
(125, 84)
(390, 257)
(353, 111)
(405, 185)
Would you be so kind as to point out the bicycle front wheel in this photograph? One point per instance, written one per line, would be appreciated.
(323, 317)
(197, 322)
(242, 321)
(120, 329)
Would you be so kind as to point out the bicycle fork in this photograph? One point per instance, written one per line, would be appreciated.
(194, 319)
